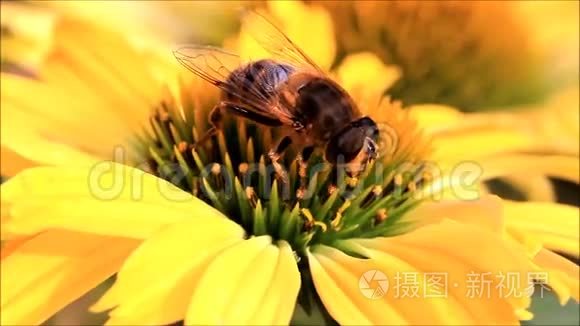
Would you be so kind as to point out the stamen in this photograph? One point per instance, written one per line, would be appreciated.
(182, 147)
(302, 165)
(352, 182)
(381, 216)
(252, 197)
(398, 179)
(336, 221)
(300, 192)
(332, 188)
(196, 187)
(412, 186)
(370, 198)
(217, 178)
(215, 169)
(243, 168)
(322, 225)
(309, 222)
(163, 115)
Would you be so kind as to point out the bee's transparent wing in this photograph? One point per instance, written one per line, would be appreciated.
(217, 66)
(210, 63)
(276, 42)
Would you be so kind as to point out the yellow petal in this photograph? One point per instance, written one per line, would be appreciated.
(551, 127)
(454, 181)
(558, 166)
(289, 17)
(277, 309)
(366, 77)
(524, 241)
(463, 253)
(29, 136)
(245, 274)
(107, 198)
(163, 272)
(246, 300)
(559, 121)
(9, 246)
(51, 270)
(435, 118)
(52, 116)
(114, 91)
(486, 212)
(40, 151)
(29, 37)
(435, 309)
(13, 163)
(293, 14)
(471, 144)
(555, 225)
(359, 278)
(338, 301)
(562, 270)
(107, 62)
(167, 21)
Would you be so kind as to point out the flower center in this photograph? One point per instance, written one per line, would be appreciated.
(317, 203)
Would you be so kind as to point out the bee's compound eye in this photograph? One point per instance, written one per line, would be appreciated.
(370, 127)
(346, 145)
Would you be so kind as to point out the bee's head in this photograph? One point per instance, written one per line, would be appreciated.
(354, 144)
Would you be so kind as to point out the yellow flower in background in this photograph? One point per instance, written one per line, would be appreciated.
(553, 25)
(26, 40)
(167, 21)
(319, 20)
(250, 258)
(473, 55)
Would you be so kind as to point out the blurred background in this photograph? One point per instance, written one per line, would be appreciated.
(471, 55)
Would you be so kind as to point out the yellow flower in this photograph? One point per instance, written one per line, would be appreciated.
(474, 55)
(168, 21)
(250, 258)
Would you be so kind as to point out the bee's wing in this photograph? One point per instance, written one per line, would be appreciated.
(276, 42)
(208, 62)
(216, 65)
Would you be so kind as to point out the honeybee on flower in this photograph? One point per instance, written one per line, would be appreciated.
(173, 241)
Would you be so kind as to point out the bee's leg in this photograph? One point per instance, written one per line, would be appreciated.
(302, 159)
(275, 155)
(333, 178)
(216, 117)
(215, 120)
(258, 117)
(352, 180)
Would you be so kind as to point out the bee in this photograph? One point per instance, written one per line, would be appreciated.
(290, 91)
